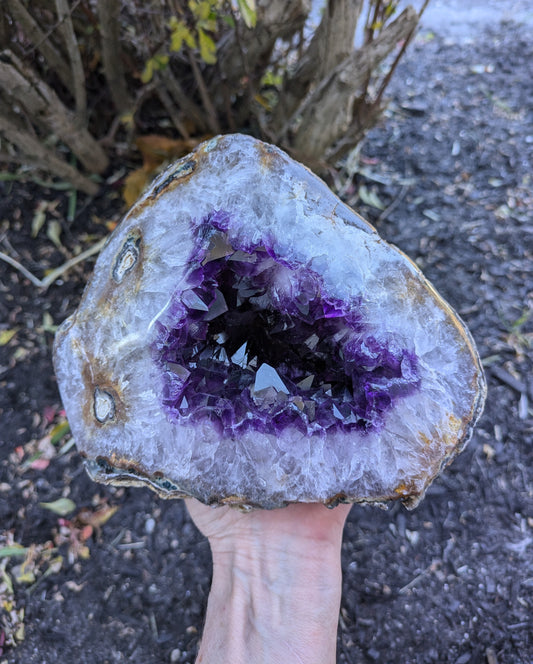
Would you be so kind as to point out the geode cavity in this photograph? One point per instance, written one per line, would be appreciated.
(248, 339)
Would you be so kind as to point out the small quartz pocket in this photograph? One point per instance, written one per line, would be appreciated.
(247, 339)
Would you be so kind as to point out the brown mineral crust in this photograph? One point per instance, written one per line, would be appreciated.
(123, 471)
(94, 379)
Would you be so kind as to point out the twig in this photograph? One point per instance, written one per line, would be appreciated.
(37, 154)
(40, 41)
(171, 110)
(109, 14)
(141, 95)
(392, 206)
(50, 278)
(405, 44)
(204, 94)
(51, 30)
(78, 76)
(23, 84)
(509, 380)
(183, 100)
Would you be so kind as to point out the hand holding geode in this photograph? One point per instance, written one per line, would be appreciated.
(246, 338)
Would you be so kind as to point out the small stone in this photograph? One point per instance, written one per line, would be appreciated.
(175, 656)
(247, 337)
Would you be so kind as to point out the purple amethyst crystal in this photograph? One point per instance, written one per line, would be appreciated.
(248, 339)
(253, 343)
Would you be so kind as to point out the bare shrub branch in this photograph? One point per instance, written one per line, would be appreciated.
(332, 42)
(276, 19)
(66, 30)
(109, 15)
(32, 30)
(37, 154)
(45, 108)
(328, 111)
(183, 100)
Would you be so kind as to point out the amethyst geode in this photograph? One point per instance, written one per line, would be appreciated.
(247, 339)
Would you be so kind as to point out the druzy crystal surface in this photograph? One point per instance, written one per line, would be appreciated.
(248, 339)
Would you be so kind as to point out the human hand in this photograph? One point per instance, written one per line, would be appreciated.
(276, 587)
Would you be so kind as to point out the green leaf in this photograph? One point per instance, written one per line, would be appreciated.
(228, 20)
(370, 197)
(270, 79)
(155, 63)
(248, 12)
(160, 61)
(208, 49)
(72, 203)
(390, 9)
(200, 8)
(61, 506)
(181, 33)
(148, 72)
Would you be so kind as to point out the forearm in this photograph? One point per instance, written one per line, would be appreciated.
(271, 607)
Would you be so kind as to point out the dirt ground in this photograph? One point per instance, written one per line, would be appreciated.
(452, 581)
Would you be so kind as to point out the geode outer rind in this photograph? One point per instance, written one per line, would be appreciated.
(145, 364)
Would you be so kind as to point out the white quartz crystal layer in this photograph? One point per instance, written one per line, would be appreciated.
(237, 201)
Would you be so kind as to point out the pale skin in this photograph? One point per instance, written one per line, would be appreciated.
(276, 588)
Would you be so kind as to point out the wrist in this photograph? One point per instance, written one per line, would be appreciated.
(278, 599)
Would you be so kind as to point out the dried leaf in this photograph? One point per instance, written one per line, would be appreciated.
(370, 197)
(431, 214)
(39, 464)
(39, 218)
(157, 149)
(134, 185)
(75, 587)
(7, 335)
(53, 232)
(61, 506)
(97, 519)
(59, 431)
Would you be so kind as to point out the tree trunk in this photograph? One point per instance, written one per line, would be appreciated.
(328, 111)
(331, 44)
